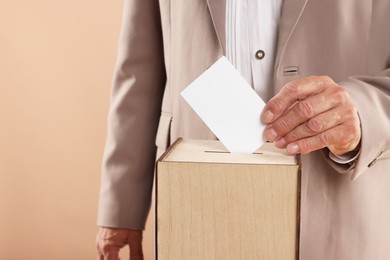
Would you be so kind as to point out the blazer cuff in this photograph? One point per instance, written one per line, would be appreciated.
(347, 158)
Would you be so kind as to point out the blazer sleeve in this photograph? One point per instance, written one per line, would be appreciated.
(371, 95)
(135, 105)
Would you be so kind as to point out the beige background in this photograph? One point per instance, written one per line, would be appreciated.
(56, 64)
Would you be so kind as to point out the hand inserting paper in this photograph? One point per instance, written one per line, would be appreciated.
(312, 113)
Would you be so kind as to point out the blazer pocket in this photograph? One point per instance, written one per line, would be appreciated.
(290, 71)
(163, 132)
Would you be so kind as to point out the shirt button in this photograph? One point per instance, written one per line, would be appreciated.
(260, 54)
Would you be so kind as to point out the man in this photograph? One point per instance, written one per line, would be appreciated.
(338, 122)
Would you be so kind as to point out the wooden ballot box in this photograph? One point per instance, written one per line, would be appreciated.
(212, 204)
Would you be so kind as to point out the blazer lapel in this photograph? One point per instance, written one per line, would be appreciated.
(291, 13)
(218, 9)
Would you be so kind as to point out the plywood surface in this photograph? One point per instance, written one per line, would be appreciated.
(226, 211)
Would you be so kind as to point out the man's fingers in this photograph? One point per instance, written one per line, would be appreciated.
(301, 112)
(309, 144)
(303, 117)
(112, 253)
(290, 93)
(315, 125)
(342, 135)
(110, 241)
(109, 250)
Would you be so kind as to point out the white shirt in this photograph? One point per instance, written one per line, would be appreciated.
(251, 30)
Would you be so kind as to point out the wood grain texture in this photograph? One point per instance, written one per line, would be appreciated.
(226, 211)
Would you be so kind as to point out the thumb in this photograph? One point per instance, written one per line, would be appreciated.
(110, 241)
(111, 251)
(135, 243)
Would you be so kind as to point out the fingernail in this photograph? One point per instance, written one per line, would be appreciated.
(268, 116)
(292, 149)
(280, 143)
(270, 134)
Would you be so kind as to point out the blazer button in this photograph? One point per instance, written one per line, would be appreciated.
(260, 54)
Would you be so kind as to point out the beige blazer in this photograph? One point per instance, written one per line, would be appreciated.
(165, 45)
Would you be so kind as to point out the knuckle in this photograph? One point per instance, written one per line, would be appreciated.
(281, 126)
(355, 130)
(341, 95)
(304, 146)
(314, 125)
(351, 133)
(351, 111)
(292, 136)
(348, 136)
(343, 143)
(304, 110)
(292, 89)
(325, 78)
(106, 247)
(277, 105)
(318, 81)
(323, 138)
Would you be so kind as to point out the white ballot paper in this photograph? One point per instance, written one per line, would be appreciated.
(229, 106)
